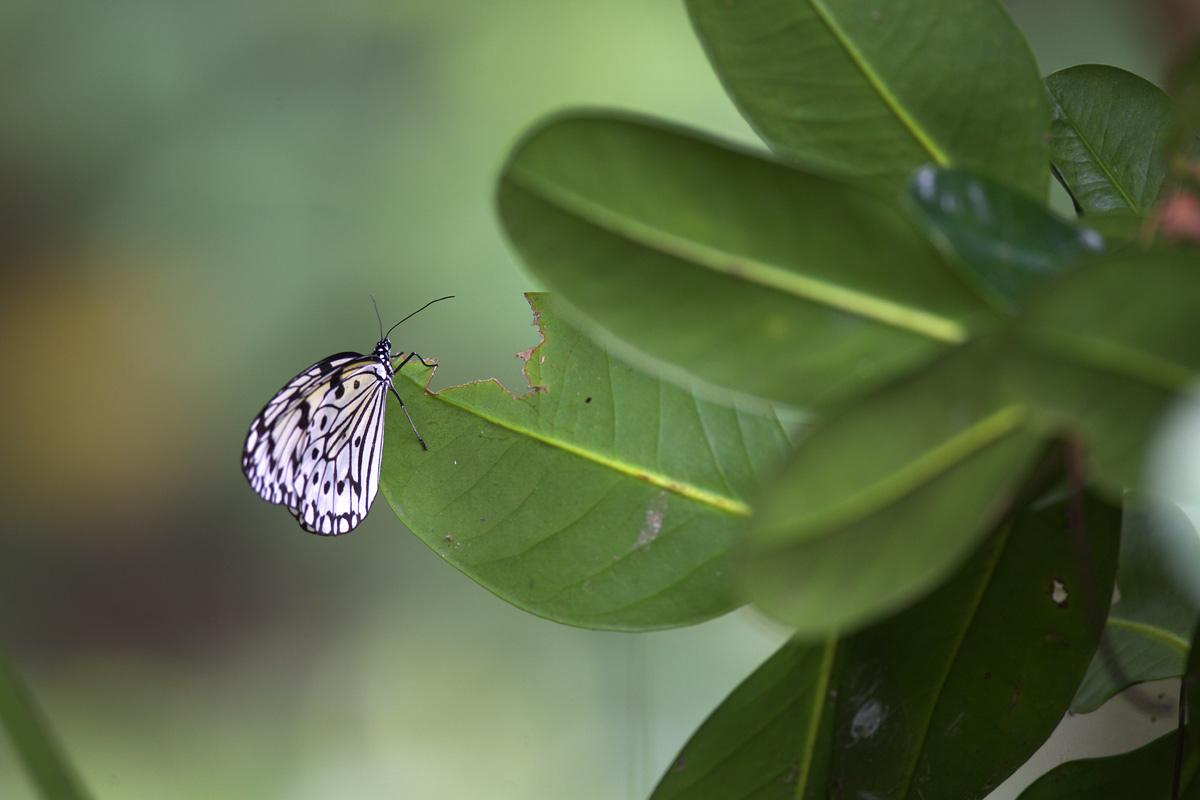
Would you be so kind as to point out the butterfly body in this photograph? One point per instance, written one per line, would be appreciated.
(316, 447)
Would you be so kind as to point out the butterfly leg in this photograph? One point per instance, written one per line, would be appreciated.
(410, 422)
(410, 357)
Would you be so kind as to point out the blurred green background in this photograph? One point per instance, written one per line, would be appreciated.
(197, 200)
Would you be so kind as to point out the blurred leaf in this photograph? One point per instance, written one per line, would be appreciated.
(1184, 84)
(1110, 131)
(1006, 243)
(1119, 228)
(878, 89)
(942, 701)
(1150, 625)
(33, 740)
(751, 275)
(1107, 350)
(604, 498)
(1143, 774)
(885, 498)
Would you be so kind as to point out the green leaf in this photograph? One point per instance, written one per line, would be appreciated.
(604, 498)
(1106, 351)
(942, 701)
(771, 733)
(749, 274)
(877, 89)
(885, 498)
(1110, 133)
(1151, 622)
(1120, 229)
(1006, 243)
(33, 740)
(1143, 774)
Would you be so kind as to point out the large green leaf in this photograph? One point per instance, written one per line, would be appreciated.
(941, 701)
(1006, 243)
(604, 498)
(1110, 133)
(885, 498)
(1152, 618)
(749, 274)
(1107, 350)
(33, 740)
(878, 89)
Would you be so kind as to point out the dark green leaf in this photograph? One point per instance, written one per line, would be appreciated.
(1107, 350)
(878, 89)
(749, 274)
(1110, 132)
(33, 741)
(1006, 243)
(1151, 622)
(604, 498)
(940, 702)
(768, 738)
(884, 499)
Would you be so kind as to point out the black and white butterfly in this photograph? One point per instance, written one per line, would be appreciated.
(315, 447)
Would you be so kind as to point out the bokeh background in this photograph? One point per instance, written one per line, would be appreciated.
(196, 200)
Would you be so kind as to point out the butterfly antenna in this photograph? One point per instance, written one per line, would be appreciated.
(413, 314)
(378, 317)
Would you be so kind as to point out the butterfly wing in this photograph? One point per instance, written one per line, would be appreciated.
(316, 446)
(338, 472)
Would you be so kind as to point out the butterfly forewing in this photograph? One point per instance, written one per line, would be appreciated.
(315, 448)
(337, 476)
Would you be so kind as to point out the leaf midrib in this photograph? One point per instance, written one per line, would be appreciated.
(1118, 359)
(727, 505)
(918, 472)
(1150, 631)
(1097, 161)
(764, 274)
(877, 84)
(981, 592)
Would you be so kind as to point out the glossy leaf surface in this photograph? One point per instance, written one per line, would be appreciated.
(1110, 133)
(984, 665)
(604, 498)
(747, 273)
(885, 498)
(1006, 243)
(876, 90)
(1107, 350)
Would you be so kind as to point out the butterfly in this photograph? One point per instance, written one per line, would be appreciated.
(315, 448)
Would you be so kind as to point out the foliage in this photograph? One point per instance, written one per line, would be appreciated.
(982, 380)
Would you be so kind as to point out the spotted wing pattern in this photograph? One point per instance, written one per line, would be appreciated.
(316, 446)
